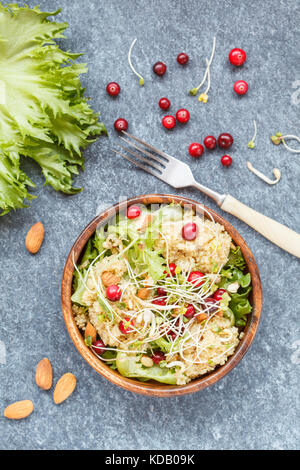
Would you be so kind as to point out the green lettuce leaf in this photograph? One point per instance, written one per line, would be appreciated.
(129, 367)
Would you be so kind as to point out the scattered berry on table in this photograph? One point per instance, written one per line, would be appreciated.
(183, 115)
(225, 140)
(241, 87)
(226, 160)
(168, 122)
(113, 89)
(210, 142)
(99, 347)
(158, 356)
(190, 231)
(121, 125)
(125, 326)
(182, 58)
(133, 212)
(113, 293)
(195, 278)
(237, 57)
(196, 150)
(164, 103)
(159, 68)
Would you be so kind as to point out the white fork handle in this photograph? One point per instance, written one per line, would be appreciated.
(277, 233)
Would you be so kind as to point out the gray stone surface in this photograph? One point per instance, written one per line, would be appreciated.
(257, 405)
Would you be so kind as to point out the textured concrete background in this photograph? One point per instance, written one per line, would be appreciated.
(257, 405)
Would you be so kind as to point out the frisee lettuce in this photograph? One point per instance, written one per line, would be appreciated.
(43, 112)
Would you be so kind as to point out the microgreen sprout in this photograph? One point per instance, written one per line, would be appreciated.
(278, 138)
(141, 82)
(194, 91)
(251, 143)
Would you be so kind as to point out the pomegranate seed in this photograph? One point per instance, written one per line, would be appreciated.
(172, 267)
(133, 212)
(168, 122)
(241, 87)
(159, 68)
(190, 231)
(226, 160)
(113, 293)
(113, 89)
(183, 115)
(194, 278)
(210, 142)
(218, 294)
(158, 356)
(121, 125)
(164, 103)
(125, 326)
(99, 347)
(237, 57)
(161, 292)
(190, 311)
(182, 58)
(225, 140)
(196, 150)
(173, 335)
(211, 305)
(161, 302)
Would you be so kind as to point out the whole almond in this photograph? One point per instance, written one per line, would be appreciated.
(143, 293)
(19, 409)
(64, 388)
(35, 237)
(109, 279)
(43, 374)
(90, 331)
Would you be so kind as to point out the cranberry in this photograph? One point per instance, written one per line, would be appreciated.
(113, 293)
(211, 305)
(183, 115)
(113, 89)
(125, 326)
(168, 122)
(241, 87)
(194, 278)
(99, 347)
(161, 302)
(121, 125)
(190, 311)
(218, 294)
(172, 267)
(161, 292)
(159, 68)
(225, 140)
(196, 150)
(190, 231)
(158, 356)
(226, 160)
(182, 58)
(133, 212)
(237, 56)
(164, 103)
(210, 142)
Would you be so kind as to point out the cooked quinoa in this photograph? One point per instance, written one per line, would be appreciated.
(162, 296)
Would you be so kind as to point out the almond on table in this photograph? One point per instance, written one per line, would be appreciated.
(43, 375)
(19, 409)
(64, 388)
(34, 238)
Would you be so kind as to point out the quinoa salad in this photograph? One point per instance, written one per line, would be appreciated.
(162, 294)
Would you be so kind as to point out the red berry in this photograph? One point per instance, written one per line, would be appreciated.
(183, 115)
(218, 294)
(240, 87)
(190, 231)
(196, 150)
(225, 140)
(113, 89)
(113, 293)
(237, 57)
(182, 58)
(99, 347)
(158, 356)
(190, 311)
(164, 103)
(210, 142)
(168, 122)
(159, 68)
(226, 160)
(125, 326)
(172, 334)
(121, 125)
(133, 212)
(211, 305)
(172, 267)
(194, 278)
(161, 292)
(161, 302)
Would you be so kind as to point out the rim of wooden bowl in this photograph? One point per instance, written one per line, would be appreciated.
(153, 388)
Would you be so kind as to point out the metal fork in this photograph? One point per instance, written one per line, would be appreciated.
(179, 175)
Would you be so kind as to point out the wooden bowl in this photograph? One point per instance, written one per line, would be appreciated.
(155, 388)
